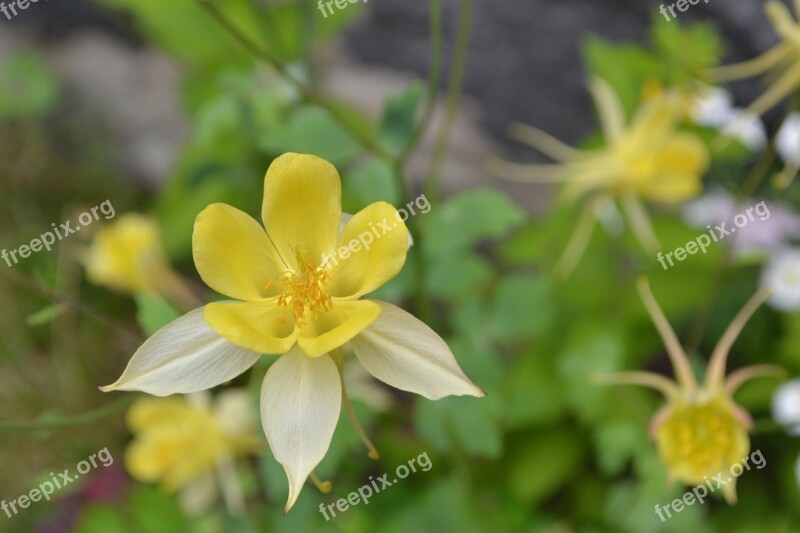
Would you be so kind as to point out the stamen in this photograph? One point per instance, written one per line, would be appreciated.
(305, 290)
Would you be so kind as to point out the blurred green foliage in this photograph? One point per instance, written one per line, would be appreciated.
(546, 449)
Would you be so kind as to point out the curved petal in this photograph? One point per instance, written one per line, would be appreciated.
(300, 403)
(302, 206)
(263, 327)
(327, 330)
(233, 254)
(375, 245)
(184, 356)
(403, 352)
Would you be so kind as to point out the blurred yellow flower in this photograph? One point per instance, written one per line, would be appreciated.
(294, 301)
(780, 64)
(126, 256)
(702, 431)
(188, 444)
(650, 159)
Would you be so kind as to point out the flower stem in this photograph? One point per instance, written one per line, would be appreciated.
(434, 76)
(373, 452)
(70, 421)
(307, 92)
(455, 86)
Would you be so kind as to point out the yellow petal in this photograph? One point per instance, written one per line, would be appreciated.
(233, 254)
(147, 459)
(262, 327)
(327, 330)
(681, 162)
(150, 412)
(372, 250)
(302, 206)
(126, 256)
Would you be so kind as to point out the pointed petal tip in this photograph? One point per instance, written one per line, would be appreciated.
(107, 388)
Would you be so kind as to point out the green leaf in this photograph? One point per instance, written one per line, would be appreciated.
(27, 87)
(686, 51)
(468, 219)
(457, 276)
(398, 122)
(313, 131)
(154, 313)
(522, 308)
(535, 473)
(534, 394)
(626, 67)
(367, 183)
(45, 315)
(470, 424)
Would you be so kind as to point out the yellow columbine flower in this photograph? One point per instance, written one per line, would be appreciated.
(126, 255)
(650, 159)
(296, 289)
(780, 64)
(701, 432)
(188, 444)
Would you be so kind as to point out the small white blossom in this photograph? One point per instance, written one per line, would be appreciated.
(787, 141)
(782, 275)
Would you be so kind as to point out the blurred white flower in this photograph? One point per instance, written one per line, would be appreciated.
(769, 233)
(787, 141)
(782, 275)
(797, 470)
(713, 107)
(787, 144)
(786, 406)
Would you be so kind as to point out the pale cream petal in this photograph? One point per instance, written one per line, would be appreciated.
(184, 356)
(403, 352)
(300, 403)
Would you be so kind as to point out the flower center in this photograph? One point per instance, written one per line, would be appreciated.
(698, 440)
(305, 290)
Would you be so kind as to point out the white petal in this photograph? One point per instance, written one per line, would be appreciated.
(712, 106)
(300, 403)
(748, 128)
(198, 497)
(403, 352)
(787, 140)
(782, 275)
(184, 356)
(786, 404)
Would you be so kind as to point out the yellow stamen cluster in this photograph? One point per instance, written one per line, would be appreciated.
(305, 290)
(703, 439)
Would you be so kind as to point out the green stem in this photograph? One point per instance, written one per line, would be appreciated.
(434, 77)
(306, 92)
(749, 187)
(70, 421)
(24, 281)
(456, 83)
